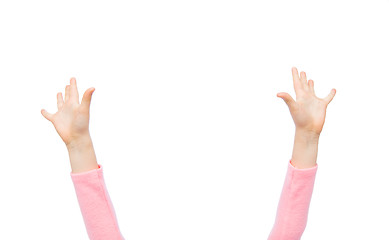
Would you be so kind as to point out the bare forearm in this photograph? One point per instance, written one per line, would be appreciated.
(82, 155)
(305, 149)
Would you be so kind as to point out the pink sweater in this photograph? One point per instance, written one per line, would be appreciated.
(292, 211)
(101, 222)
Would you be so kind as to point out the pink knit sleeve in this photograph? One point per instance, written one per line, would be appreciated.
(292, 211)
(95, 205)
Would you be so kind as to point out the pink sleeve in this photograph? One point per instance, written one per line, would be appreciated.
(95, 205)
(292, 211)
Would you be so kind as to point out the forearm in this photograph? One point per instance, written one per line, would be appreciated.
(92, 194)
(82, 155)
(293, 206)
(305, 149)
(96, 205)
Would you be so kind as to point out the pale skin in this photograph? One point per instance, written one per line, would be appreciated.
(72, 124)
(308, 113)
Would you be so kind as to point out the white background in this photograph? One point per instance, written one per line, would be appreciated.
(185, 120)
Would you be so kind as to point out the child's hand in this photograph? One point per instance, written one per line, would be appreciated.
(308, 111)
(72, 119)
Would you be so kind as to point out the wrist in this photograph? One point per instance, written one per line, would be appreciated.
(306, 136)
(305, 149)
(81, 142)
(82, 155)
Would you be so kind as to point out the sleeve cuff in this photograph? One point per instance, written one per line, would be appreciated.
(86, 173)
(301, 169)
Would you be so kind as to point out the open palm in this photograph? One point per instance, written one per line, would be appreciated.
(72, 118)
(308, 111)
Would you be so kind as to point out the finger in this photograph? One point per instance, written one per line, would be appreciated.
(67, 89)
(74, 91)
(330, 96)
(86, 99)
(311, 86)
(47, 115)
(59, 100)
(296, 80)
(287, 98)
(303, 79)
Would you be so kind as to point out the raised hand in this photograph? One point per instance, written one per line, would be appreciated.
(72, 118)
(308, 111)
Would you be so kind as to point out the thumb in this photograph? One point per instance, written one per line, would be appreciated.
(287, 98)
(47, 115)
(86, 99)
(330, 96)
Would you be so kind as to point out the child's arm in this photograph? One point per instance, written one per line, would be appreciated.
(308, 113)
(72, 124)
